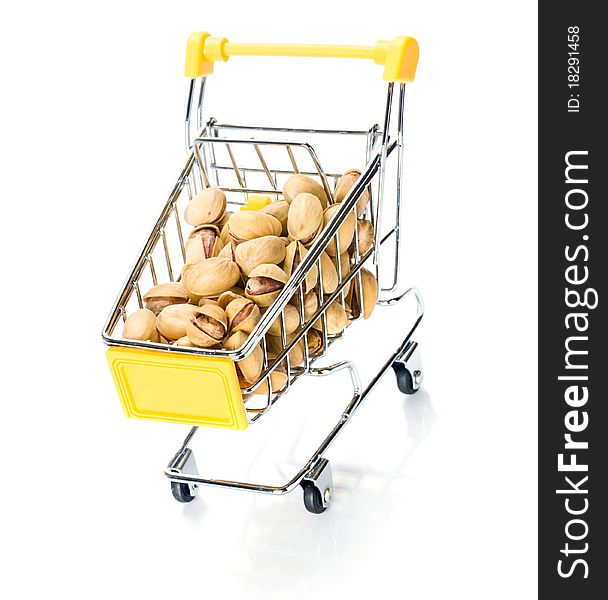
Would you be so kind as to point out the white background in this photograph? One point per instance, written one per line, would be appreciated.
(436, 494)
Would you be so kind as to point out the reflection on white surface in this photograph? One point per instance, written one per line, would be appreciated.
(272, 541)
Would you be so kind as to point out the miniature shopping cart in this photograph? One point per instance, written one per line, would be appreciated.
(200, 386)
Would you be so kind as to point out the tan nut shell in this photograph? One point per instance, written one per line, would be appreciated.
(268, 249)
(171, 322)
(225, 234)
(305, 217)
(243, 315)
(294, 255)
(184, 341)
(207, 206)
(278, 210)
(296, 354)
(252, 366)
(329, 274)
(211, 334)
(278, 379)
(346, 231)
(315, 342)
(336, 319)
(298, 184)
(370, 292)
(226, 298)
(228, 251)
(211, 277)
(203, 242)
(165, 294)
(311, 305)
(266, 272)
(345, 184)
(141, 325)
(250, 224)
(365, 235)
(292, 321)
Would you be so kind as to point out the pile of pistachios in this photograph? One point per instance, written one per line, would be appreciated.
(237, 263)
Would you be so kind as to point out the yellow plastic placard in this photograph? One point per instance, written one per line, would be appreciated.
(177, 387)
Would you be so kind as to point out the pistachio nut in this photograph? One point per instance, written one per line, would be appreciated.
(291, 320)
(329, 275)
(346, 231)
(268, 249)
(265, 283)
(227, 297)
(335, 317)
(278, 210)
(184, 341)
(228, 251)
(278, 379)
(208, 326)
(171, 322)
(249, 224)
(369, 285)
(206, 301)
(243, 315)
(365, 236)
(225, 234)
(315, 342)
(294, 255)
(203, 242)
(345, 184)
(141, 325)
(311, 305)
(296, 354)
(305, 218)
(165, 294)
(251, 366)
(211, 277)
(297, 184)
(207, 206)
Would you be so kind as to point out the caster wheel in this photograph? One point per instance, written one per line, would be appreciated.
(181, 492)
(405, 380)
(312, 499)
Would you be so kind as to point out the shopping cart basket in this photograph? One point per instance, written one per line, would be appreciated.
(200, 386)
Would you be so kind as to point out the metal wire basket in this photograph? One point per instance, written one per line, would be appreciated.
(200, 386)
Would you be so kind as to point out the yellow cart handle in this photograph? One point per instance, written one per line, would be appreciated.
(399, 56)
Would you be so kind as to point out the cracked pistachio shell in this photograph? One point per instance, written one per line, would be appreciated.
(265, 284)
(251, 366)
(225, 234)
(278, 379)
(329, 274)
(315, 342)
(278, 210)
(141, 325)
(292, 321)
(268, 249)
(243, 315)
(171, 322)
(346, 231)
(365, 235)
(369, 286)
(298, 184)
(211, 277)
(250, 224)
(207, 206)
(165, 294)
(296, 354)
(294, 255)
(336, 319)
(229, 251)
(345, 184)
(203, 242)
(227, 297)
(305, 217)
(208, 326)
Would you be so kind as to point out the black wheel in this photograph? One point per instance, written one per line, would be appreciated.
(312, 499)
(405, 381)
(181, 492)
